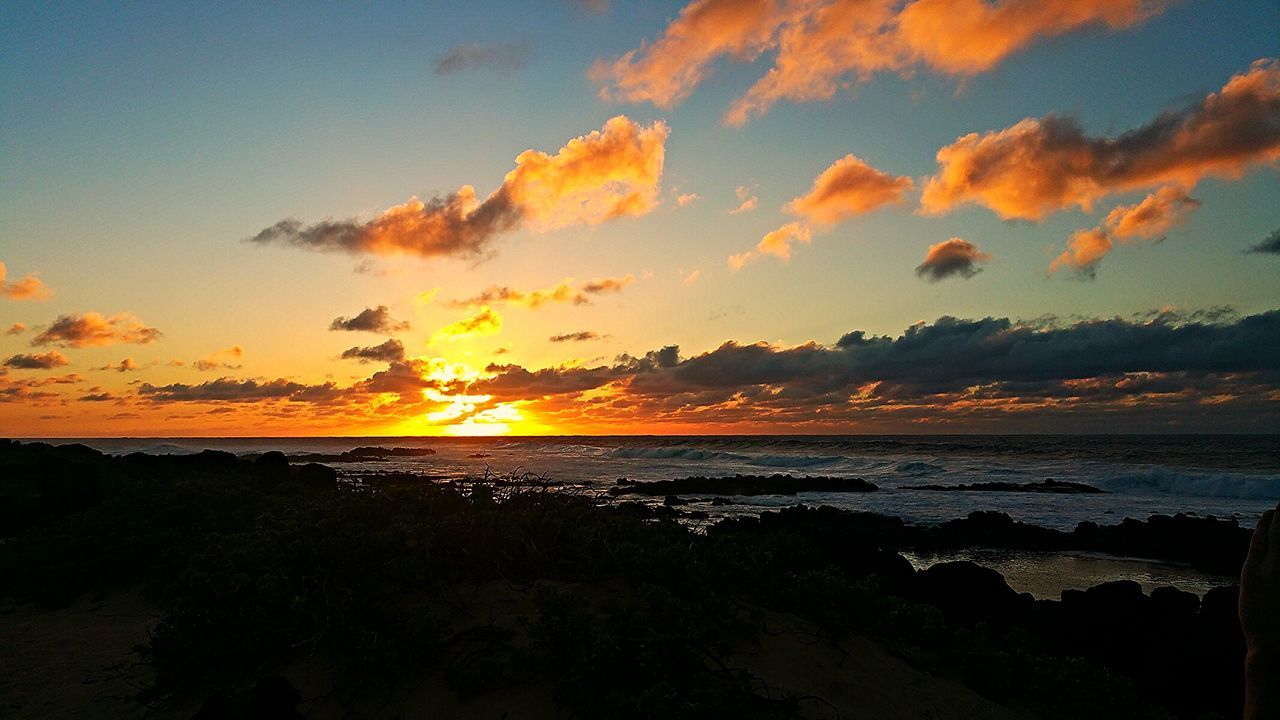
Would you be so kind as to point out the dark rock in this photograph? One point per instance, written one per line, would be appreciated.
(970, 593)
(273, 467)
(365, 452)
(317, 476)
(206, 459)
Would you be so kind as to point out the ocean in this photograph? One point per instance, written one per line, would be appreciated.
(1231, 476)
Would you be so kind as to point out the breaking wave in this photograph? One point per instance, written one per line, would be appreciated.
(1173, 482)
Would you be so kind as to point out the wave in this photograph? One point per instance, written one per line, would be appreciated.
(917, 468)
(167, 449)
(674, 453)
(1172, 482)
(790, 461)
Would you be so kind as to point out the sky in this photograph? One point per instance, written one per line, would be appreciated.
(718, 216)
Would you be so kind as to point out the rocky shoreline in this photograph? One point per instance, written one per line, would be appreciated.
(73, 519)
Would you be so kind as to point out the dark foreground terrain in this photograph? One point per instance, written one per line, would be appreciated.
(218, 587)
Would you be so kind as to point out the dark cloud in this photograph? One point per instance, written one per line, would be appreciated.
(953, 366)
(231, 390)
(500, 57)
(92, 329)
(390, 351)
(1270, 246)
(952, 258)
(29, 390)
(580, 336)
(98, 397)
(41, 361)
(370, 320)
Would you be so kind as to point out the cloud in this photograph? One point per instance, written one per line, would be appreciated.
(1040, 166)
(231, 390)
(28, 288)
(821, 46)
(1151, 218)
(607, 285)
(484, 322)
(951, 258)
(220, 360)
(41, 361)
(92, 329)
(1271, 245)
(29, 390)
(848, 188)
(16, 329)
(684, 199)
(666, 71)
(376, 320)
(746, 201)
(564, 292)
(580, 336)
(390, 351)
(692, 277)
(609, 173)
(125, 365)
(98, 397)
(499, 57)
(775, 242)
(1085, 249)
(949, 371)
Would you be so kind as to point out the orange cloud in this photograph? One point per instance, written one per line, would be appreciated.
(746, 201)
(776, 242)
(666, 71)
(16, 329)
(967, 37)
(28, 288)
(220, 360)
(685, 199)
(126, 365)
(485, 322)
(823, 46)
(1037, 167)
(1084, 250)
(849, 187)
(1158, 213)
(608, 173)
(564, 292)
(92, 329)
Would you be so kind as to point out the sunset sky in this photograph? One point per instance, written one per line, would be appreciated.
(723, 216)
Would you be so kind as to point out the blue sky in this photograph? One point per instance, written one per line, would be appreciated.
(142, 143)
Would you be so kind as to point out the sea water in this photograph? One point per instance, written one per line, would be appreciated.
(1228, 476)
